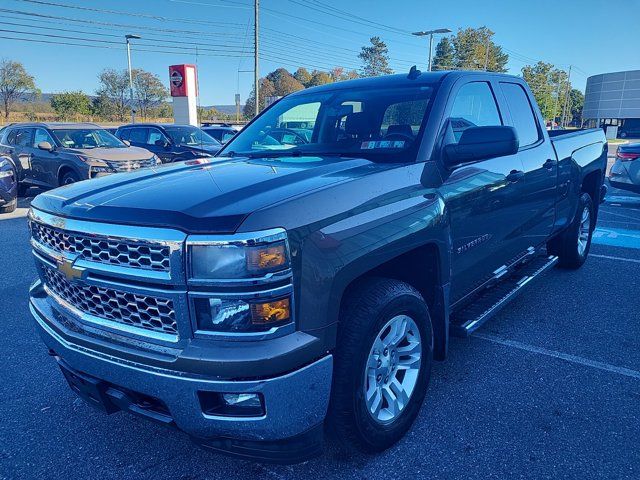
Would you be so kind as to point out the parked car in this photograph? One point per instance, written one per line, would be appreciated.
(625, 172)
(221, 132)
(171, 143)
(8, 185)
(282, 288)
(54, 154)
(630, 128)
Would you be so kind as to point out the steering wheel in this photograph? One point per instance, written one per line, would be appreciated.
(289, 131)
(398, 136)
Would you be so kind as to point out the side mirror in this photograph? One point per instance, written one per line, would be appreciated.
(126, 142)
(45, 146)
(481, 143)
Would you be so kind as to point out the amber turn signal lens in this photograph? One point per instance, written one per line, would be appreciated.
(267, 257)
(271, 312)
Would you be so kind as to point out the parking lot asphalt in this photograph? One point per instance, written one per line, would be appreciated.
(550, 388)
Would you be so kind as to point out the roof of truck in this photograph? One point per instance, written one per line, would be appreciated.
(400, 79)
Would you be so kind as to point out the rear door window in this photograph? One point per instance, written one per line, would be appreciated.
(474, 106)
(23, 137)
(522, 115)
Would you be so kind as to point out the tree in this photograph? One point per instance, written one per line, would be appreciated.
(375, 59)
(113, 94)
(319, 78)
(70, 104)
(283, 82)
(576, 104)
(267, 89)
(549, 86)
(339, 74)
(470, 49)
(444, 58)
(303, 76)
(148, 91)
(15, 84)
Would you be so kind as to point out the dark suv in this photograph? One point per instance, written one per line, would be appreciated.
(54, 154)
(171, 143)
(223, 132)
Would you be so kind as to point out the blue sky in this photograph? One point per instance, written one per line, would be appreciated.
(595, 36)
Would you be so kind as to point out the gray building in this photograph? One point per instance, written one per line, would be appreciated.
(613, 99)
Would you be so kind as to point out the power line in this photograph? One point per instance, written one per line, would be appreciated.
(120, 12)
(53, 42)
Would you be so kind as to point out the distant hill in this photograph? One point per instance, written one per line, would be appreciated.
(226, 109)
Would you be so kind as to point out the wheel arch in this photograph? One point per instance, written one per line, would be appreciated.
(426, 268)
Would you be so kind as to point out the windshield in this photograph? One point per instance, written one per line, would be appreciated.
(191, 136)
(381, 124)
(87, 138)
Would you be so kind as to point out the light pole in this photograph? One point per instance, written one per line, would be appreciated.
(430, 33)
(127, 38)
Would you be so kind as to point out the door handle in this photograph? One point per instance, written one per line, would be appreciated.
(550, 163)
(515, 176)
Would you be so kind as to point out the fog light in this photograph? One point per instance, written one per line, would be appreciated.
(232, 404)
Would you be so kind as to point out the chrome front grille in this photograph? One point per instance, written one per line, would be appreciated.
(142, 311)
(102, 249)
(132, 165)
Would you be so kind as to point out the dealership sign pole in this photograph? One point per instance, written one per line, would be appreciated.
(184, 91)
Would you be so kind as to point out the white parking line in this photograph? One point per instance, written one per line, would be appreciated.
(562, 356)
(609, 257)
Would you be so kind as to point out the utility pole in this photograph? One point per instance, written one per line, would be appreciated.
(256, 70)
(127, 38)
(566, 99)
(430, 34)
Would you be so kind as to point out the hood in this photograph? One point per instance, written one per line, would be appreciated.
(128, 154)
(199, 196)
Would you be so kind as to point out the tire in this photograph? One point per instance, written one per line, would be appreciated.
(69, 178)
(367, 310)
(11, 207)
(572, 246)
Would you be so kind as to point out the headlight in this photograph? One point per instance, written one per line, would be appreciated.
(97, 168)
(250, 280)
(250, 258)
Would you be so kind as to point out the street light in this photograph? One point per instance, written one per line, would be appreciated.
(430, 33)
(127, 38)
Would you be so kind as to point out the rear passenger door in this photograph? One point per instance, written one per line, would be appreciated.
(19, 141)
(138, 136)
(539, 161)
(43, 163)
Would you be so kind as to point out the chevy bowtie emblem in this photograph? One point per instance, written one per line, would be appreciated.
(70, 272)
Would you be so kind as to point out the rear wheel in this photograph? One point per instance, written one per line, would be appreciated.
(10, 207)
(68, 178)
(382, 365)
(572, 246)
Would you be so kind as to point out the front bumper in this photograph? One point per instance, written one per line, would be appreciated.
(295, 403)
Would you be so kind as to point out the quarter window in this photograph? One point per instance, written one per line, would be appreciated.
(521, 113)
(474, 106)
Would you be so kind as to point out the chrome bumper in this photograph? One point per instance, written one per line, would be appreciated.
(294, 402)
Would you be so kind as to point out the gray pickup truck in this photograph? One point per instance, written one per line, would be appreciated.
(298, 285)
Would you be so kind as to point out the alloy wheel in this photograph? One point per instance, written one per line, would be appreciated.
(393, 369)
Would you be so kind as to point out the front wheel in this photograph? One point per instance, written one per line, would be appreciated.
(69, 178)
(382, 365)
(572, 246)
